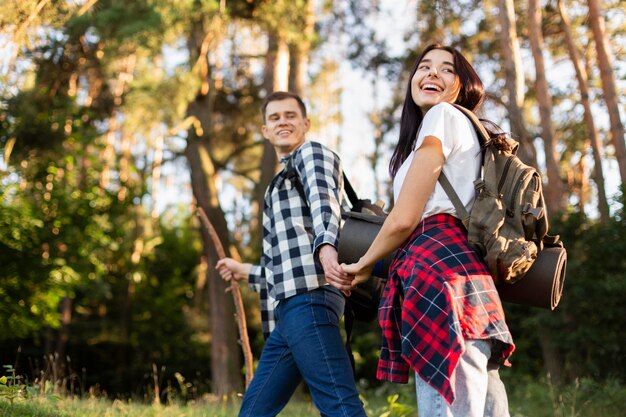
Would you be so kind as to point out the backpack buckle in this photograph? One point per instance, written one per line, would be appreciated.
(479, 185)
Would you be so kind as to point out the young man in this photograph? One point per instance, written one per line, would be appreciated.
(299, 278)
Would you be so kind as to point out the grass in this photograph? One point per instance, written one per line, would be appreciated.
(67, 407)
(586, 398)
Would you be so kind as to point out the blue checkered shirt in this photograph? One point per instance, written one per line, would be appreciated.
(294, 229)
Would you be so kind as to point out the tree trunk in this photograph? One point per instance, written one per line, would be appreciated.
(515, 81)
(275, 78)
(125, 166)
(592, 133)
(225, 357)
(120, 86)
(123, 348)
(605, 63)
(128, 299)
(554, 191)
(60, 352)
(298, 62)
(300, 54)
(281, 66)
(225, 353)
(156, 178)
(552, 360)
(376, 118)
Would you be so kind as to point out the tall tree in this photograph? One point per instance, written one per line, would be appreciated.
(300, 51)
(515, 83)
(205, 35)
(607, 75)
(554, 189)
(275, 75)
(592, 132)
(289, 47)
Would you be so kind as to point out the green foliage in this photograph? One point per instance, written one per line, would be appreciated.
(122, 25)
(28, 295)
(594, 312)
(586, 329)
(10, 387)
(13, 390)
(58, 231)
(36, 119)
(397, 409)
(287, 17)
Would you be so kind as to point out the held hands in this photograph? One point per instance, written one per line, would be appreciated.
(333, 272)
(359, 272)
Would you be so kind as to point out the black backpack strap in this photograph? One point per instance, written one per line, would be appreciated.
(290, 173)
(348, 322)
(354, 199)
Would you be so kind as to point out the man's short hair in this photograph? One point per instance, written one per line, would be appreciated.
(282, 95)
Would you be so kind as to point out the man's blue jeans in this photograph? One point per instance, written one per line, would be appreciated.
(306, 343)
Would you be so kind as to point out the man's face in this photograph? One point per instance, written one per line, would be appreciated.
(285, 126)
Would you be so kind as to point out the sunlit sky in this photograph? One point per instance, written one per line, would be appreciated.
(357, 100)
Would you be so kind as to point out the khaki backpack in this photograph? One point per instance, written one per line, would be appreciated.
(508, 223)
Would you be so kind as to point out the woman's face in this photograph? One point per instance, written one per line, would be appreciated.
(435, 80)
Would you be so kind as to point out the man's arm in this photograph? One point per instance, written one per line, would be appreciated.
(232, 269)
(320, 171)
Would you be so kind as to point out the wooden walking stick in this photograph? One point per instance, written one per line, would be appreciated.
(234, 288)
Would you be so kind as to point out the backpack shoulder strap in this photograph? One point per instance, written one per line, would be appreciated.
(483, 137)
(354, 199)
(454, 197)
(290, 172)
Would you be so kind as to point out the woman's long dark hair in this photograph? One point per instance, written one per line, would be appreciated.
(471, 97)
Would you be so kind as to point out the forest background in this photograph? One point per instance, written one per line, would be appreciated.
(118, 119)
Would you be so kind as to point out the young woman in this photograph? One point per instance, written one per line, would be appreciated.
(440, 313)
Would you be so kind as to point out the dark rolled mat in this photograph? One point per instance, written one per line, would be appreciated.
(542, 286)
(357, 234)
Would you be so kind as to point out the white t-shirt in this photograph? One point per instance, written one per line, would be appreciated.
(461, 151)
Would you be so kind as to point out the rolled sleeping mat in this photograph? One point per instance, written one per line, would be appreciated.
(542, 286)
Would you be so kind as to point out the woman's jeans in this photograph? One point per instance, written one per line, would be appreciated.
(305, 344)
(479, 392)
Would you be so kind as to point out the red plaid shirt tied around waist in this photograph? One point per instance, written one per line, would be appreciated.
(438, 295)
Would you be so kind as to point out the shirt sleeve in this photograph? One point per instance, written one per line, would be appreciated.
(441, 121)
(256, 277)
(320, 171)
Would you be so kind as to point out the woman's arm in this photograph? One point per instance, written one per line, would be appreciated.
(406, 214)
